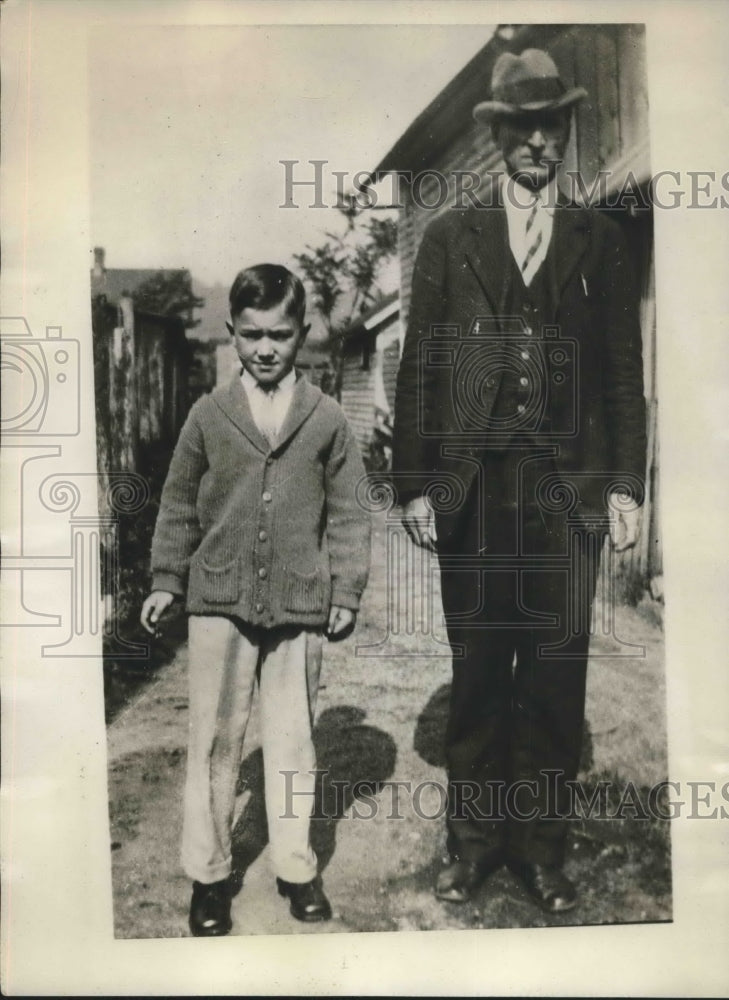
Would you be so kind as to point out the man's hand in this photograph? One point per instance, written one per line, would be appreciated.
(624, 523)
(419, 522)
(154, 608)
(341, 622)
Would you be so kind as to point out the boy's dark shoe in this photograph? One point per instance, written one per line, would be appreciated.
(308, 902)
(460, 879)
(210, 909)
(547, 885)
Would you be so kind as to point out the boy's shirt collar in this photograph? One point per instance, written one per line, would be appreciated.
(286, 384)
(269, 405)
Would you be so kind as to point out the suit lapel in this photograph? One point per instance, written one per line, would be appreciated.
(570, 238)
(487, 250)
(486, 247)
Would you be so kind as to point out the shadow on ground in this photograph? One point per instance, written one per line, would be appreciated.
(430, 729)
(125, 676)
(354, 759)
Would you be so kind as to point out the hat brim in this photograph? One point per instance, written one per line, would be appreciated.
(486, 111)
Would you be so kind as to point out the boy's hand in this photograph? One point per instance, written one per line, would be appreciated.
(341, 622)
(154, 608)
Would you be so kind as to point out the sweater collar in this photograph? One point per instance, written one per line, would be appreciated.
(233, 401)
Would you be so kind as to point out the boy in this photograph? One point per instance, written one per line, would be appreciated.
(259, 525)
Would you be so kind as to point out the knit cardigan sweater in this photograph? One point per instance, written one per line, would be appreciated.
(274, 536)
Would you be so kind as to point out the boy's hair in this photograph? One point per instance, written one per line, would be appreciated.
(265, 286)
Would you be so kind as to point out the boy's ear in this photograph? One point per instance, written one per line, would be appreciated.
(229, 325)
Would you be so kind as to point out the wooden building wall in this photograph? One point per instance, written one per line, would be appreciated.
(140, 364)
(370, 362)
(358, 397)
(390, 365)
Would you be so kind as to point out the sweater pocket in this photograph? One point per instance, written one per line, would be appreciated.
(304, 592)
(219, 584)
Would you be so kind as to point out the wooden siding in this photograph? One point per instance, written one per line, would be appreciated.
(390, 365)
(358, 398)
(140, 364)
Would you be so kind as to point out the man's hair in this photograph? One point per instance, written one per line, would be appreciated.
(266, 286)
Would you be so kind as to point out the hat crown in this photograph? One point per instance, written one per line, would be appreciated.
(526, 82)
(532, 64)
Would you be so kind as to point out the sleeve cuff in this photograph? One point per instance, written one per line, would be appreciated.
(346, 598)
(169, 582)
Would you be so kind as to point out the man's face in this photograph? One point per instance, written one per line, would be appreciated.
(267, 342)
(533, 145)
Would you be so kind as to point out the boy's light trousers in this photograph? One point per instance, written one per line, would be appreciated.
(225, 657)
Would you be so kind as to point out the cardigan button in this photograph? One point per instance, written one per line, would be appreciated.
(267, 498)
(259, 608)
(262, 536)
(263, 572)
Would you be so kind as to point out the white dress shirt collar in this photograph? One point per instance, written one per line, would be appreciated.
(518, 198)
(269, 408)
(518, 202)
(286, 384)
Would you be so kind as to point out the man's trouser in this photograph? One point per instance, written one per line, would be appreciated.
(518, 583)
(226, 656)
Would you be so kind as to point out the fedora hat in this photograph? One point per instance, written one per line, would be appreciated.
(523, 83)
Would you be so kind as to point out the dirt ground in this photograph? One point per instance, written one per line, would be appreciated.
(380, 720)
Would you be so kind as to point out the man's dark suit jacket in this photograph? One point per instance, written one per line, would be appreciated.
(461, 279)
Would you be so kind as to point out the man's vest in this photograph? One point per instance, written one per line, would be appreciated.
(522, 407)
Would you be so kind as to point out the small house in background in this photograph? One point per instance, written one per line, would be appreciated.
(112, 285)
(370, 355)
(142, 362)
(142, 366)
(608, 148)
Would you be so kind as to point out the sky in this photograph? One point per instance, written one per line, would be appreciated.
(188, 125)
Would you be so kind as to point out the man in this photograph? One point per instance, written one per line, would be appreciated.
(520, 388)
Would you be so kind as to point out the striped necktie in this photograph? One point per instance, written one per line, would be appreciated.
(534, 234)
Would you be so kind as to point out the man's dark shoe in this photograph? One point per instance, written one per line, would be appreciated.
(308, 902)
(547, 885)
(460, 879)
(210, 909)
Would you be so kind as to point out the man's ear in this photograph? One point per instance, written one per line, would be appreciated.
(229, 327)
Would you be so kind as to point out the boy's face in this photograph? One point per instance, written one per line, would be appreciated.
(267, 342)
